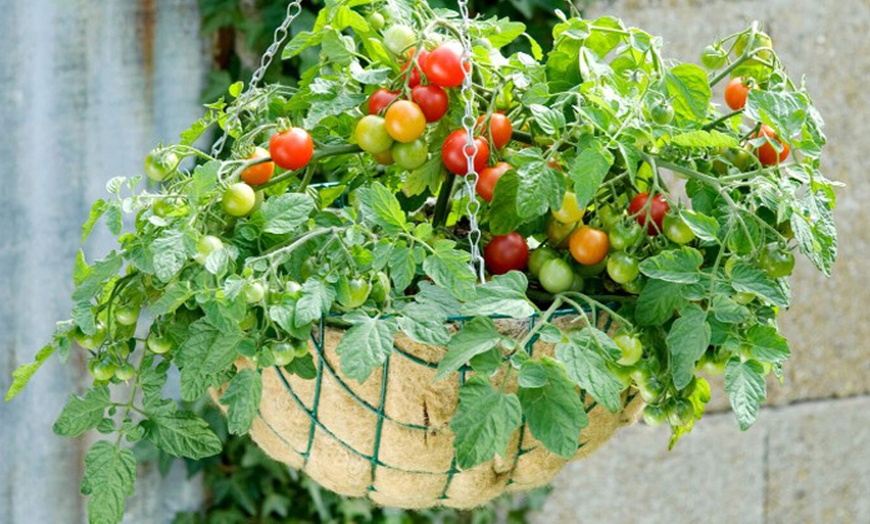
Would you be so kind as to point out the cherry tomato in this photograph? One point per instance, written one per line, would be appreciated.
(556, 276)
(102, 369)
(249, 322)
(282, 353)
(570, 212)
(623, 236)
(609, 217)
(776, 262)
(651, 389)
(656, 210)
(593, 270)
(380, 288)
(353, 292)
(411, 155)
(432, 101)
(444, 65)
(239, 199)
(165, 207)
(254, 292)
(405, 121)
(654, 416)
(631, 347)
(372, 136)
(158, 345)
(558, 234)
(291, 149)
(681, 413)
(712, 366)
(766, 152)
(635, 286)
(761, 40)
(499, 127)
(91, 342)
(506, 253)
(125, 372)
(414, 80)
(454, 151)
(713, 57)
(588, 245)
(677, 230)
(381, 99)
(539, 257)
(260, 173)
(205, 246)
(399, 38)
(159, 164)
(385, 158)
(662, 113)
(622, 267)
(735, 93)
(127, 315)
(488, 178)
(376, 21)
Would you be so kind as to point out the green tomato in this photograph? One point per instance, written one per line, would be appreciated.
(635, 286)
(744, 297)
(91, 342)
(376, 21)
(704, 165)
(711, 366)
(654, 416)
(776, 262)
(249, 322)
(300, 347)
(102, 369)
(759, 41)
(677, 230)
(681, 413)
(632, 349)
(578, 284)
(353, 292)
(713, 57)
(539, 257)
(158, 345)
(125, 372)
(609, 217)
(399, 38)
(662, 113)
(622, 267)
(739, 157)
(159, 164)
(556, 276)
(165, 207)
(126, 315)
(254, 292)
(282, 353)
(372, 136)
(592, 271)
(651, 389)
(205, 246)
(411, 155)
(239, 200)
(293, 290)
(625, 235)
(380, 287)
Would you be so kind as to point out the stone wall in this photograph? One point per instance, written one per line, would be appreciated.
(808, 457)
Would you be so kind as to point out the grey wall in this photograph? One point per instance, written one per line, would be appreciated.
(808, 458)
(86, 88)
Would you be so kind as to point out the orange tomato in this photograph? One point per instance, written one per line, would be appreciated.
(260, 173)
(405, 121)
(588, 245)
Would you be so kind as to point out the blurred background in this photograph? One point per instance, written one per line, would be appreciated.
(87, 87)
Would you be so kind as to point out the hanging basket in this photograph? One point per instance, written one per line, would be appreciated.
(389, 438)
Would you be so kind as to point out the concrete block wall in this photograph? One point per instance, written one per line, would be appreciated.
(807, 460)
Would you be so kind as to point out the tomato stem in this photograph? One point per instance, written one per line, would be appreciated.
(439, 218)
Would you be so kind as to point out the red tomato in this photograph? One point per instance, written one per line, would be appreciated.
(657, 210)
(260, 173)
(453, 152)
(381, 99)
(444, 65)
(735, 93)
(766, 153)
(506, 253)
(488, 178)
(588, 245)
(291, 149)
(500, 127)
(432, 100)
(415, 71)
(405, 121)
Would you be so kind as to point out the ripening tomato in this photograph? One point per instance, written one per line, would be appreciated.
(291, 149)
(260, 173)
(736, 93)
(239, 199)
(506, 253)
(398, 38)
(558, 233)
(432, 101)
(500, 127)
(381, 99)
(405, 121)
(655, 210)
(556, 276)
(588, 245)
(443, 66)
(372, 136)
(487, 179)
(385, 158)
(766, 152)
(570, 212)
(414, 80)
(454, 151)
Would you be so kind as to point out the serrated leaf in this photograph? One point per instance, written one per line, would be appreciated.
(109, 477)
(364, 347)
(588, 170)
(687, 341)
(504, 295)
(704, 227)
(678, 266)
(727, 310)
(205, 354)
(767, 344)
(97, 210)
(424, 324)
(540, 188)
(477, 336)
(182, 434)
(503, 217)
(699, 138)
(689, 90)
(402, 267)
(588, 368)
(450, 269)
(747, 279)
(286, 213)
(99, 274)
(83, 413)
(314, 303)
(550, 120)
(383, 208)
(22, 375)
(172, 298)
(378, 76)
(169, 253)
(484, 422)
(657, 303)
(242, 397)
(744, 382)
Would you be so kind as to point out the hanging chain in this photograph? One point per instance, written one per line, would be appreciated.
(470, 151)
(294, 8)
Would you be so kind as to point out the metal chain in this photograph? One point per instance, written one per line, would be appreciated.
(469, 120)
(294, 8)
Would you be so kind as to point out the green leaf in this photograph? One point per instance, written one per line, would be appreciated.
(109, 478)
(450, 269)
(284, 314)
(301, 42)
(173, 297)
(382, 207)
(338, 48)
(533, 375)
(747, 279)
(364, 347)
(588, 170)
(689, 90)
(727, 310)
(504, 295)
(704, 227)
(242, 397)
(687, 341)
(477, 336)
(22, 375)
(403, 269)
(182, 434)
(169, 254)
(657, 303)
(424, 324)
(484, 422)
(427, 176)
(378, 76)
(99, 274)
(83, 413)
(540, 186)
(744, 382)
(700, 138)
(678, 266)
(205, 354)
(97, 210)
(205, 180)
(767, 344)
(550, 120)
(314, 303)
(816, 233)
(586, 366)
(286, 213)
(554, 411)
(503, 217)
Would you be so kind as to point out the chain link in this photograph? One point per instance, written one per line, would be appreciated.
(470, 151)
(294, 8)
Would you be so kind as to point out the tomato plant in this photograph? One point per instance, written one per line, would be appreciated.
(506, 253)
